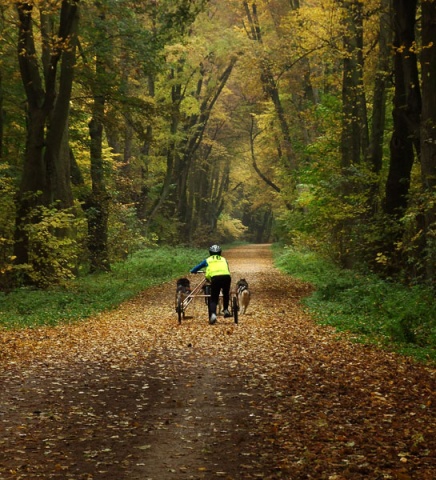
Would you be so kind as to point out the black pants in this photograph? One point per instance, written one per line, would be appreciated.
(218, 283)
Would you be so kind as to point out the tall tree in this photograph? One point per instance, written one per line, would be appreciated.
(195, 126)
(200, 68)
(269, 83)
(48, 84)
(384, 68)
(428, 132)
(97, 205)
(354, 140)
(1, 116)
(406, 109)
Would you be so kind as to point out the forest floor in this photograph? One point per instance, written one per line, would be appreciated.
(132, 395)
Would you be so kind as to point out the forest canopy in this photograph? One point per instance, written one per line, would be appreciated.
(128, 124)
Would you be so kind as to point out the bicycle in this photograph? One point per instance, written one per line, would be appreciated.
(202, 290)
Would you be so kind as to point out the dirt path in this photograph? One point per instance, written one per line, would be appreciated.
(131, 395)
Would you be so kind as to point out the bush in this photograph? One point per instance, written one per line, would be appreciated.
(79, 298)
(125, 234)
(53, 247)
(365, 304)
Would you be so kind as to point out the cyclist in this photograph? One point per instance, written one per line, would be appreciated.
(218, 274)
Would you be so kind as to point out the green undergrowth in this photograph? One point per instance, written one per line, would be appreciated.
(91, 294)
(396, 316)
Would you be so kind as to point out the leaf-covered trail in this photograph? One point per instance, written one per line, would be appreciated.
(132, 395)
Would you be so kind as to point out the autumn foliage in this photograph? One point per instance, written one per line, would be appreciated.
(131, 394)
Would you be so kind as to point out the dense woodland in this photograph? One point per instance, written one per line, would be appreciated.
(126, 124)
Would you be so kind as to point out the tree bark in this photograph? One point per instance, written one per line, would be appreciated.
(406, 111)
(1, 116)
(384, 68)
(374, 155)
(46, 167)
(428, 132)
(97, 206)
(354, 141)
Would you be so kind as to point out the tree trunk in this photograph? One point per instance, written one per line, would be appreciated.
(374, 155)
(428, 131)
(97, 206)
(45, 176)
(354, 139)
(171, 154)
(270, 88)
(194, 128)
(354, 133)
(57, 152)
(384, 67)
(1, 117)
(407, 108)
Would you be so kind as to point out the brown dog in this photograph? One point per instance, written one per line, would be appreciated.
(244, 295)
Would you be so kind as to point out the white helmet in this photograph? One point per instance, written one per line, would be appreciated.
(215, 250)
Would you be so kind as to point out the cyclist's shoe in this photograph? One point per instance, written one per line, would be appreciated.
(212, 319)
(227, 314)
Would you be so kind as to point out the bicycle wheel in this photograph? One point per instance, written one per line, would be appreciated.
(207, 289)
(235, 309)
(179, 308)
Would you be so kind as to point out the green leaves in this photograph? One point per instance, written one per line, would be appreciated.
(77, 299)
(402, 317)
(53, 249)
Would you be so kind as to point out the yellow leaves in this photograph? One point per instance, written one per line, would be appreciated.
(381, 258)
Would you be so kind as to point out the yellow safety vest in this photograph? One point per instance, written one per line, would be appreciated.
(216, 265)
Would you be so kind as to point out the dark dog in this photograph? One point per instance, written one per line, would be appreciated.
(183, 289)
(243, 294)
